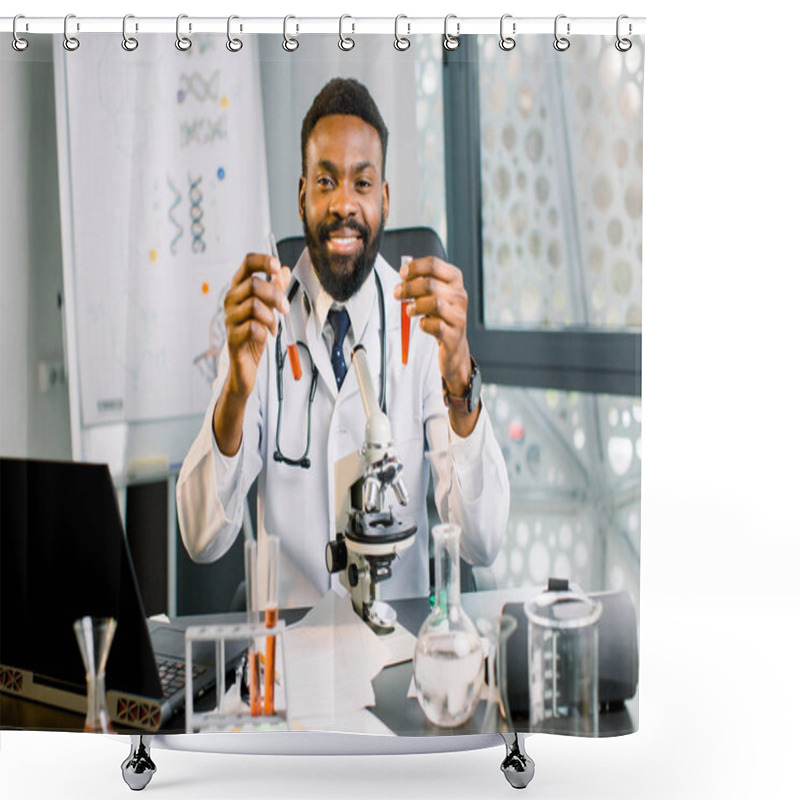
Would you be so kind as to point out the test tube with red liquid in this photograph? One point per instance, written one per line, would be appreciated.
(254, 650)
(270, 620)
(405, 320)
(291, 342)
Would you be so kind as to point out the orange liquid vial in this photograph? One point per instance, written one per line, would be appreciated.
(294, 360)
(405, 320)
(405, 329)
(254, 671)
(270, 619)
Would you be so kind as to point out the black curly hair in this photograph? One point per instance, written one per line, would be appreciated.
(344, 96)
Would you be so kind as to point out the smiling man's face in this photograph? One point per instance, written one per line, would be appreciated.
(343, 201)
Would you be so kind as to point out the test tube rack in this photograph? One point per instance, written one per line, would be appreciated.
(218, 719)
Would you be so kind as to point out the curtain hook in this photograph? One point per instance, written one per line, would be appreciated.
(451, 42)
(623, 45)
(129, 43)
(18, 43)
(561, 43)
(345, 42)
(401, 42)
(507, 42)
(289, 44)
(234, 45)
(183, 43)
(70, 42)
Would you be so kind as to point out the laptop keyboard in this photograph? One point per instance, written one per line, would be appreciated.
(173, 674)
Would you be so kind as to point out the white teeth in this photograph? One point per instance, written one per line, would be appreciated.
(344, 240)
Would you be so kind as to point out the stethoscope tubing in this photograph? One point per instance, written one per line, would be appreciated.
(280, 357)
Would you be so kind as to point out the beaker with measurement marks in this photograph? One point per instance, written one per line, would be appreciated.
(563, 662)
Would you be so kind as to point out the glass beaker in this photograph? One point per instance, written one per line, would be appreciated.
(562, 662)
(448, 658)
(94, 635)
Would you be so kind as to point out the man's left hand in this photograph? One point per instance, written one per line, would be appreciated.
(436, 291)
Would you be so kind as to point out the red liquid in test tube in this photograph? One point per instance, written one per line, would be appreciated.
(405, 320)
(254, 651)
(291, 342)
(270, 619)
(254, 671)
(273, 544)
(294, 359)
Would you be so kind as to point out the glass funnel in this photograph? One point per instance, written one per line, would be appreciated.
(448, 659)
(94, 635)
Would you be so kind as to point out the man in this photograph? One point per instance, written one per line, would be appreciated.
(343, 202)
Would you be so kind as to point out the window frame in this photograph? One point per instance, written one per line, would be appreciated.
(575, 358)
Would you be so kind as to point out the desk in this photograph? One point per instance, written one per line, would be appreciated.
(398, 712)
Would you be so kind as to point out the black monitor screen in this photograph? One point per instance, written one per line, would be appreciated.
(63, 556)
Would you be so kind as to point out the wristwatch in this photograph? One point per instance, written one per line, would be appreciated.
(468, 402)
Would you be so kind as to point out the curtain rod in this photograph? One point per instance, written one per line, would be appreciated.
(402, 25)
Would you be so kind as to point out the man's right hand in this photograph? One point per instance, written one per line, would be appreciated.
(251, 308)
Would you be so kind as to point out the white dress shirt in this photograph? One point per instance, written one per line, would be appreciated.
(470, 477)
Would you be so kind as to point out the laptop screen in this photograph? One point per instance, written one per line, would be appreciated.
(63, 555)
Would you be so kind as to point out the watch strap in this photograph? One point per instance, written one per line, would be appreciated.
(466, 403)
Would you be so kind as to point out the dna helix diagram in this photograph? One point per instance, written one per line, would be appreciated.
(196, 213)
(199, 87)
(177, 197)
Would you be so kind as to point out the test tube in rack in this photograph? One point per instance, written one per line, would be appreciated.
(254, 650)
(271, 620)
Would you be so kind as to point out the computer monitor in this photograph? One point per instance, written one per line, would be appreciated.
(63, 556)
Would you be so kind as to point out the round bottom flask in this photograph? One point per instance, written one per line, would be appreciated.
(448, 659)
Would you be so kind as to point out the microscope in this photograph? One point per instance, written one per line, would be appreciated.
(368, 535)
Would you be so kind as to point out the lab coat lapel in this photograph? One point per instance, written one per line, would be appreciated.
(320, 354)
(370, 335)
(370, 338)
(304, 272)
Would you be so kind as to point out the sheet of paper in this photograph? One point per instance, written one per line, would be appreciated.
(400, 643)
(331, 658)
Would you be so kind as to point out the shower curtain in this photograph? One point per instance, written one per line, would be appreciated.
(150, 173)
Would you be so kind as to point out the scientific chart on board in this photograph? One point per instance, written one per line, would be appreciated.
(167, 192)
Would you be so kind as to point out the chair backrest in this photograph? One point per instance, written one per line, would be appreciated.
(398, 242)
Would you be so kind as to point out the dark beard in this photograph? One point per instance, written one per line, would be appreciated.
(341, 284)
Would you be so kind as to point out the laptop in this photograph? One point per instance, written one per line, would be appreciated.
(63, 556)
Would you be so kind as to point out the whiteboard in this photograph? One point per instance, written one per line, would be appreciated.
(163, 189)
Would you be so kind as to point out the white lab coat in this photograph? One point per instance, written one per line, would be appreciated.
(470, 477)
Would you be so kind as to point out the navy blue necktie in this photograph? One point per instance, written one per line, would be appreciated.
(340, 322)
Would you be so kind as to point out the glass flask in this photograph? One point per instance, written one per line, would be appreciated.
(94, 635)
(448, 659)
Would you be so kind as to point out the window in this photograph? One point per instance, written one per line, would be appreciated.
(548, 239)
(574, 465)
(544, 204)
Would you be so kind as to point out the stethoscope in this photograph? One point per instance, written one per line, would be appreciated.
(280, 359)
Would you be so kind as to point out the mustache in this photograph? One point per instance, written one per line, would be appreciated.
(324, 231)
